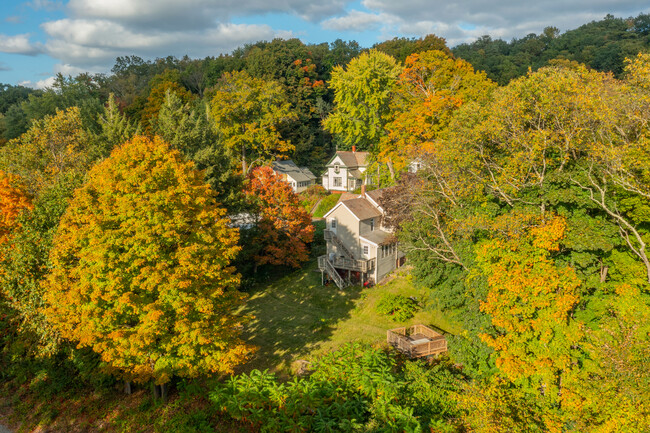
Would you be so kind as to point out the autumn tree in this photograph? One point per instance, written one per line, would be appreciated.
(362, 93)
(432, 86)
(248, 112)
(141, 268)
(283, 229)
(161, 85)
(52, 147)
(25, 261)
(13, 200)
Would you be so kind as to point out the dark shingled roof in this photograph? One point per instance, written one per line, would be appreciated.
(361, 208)
(289, 168)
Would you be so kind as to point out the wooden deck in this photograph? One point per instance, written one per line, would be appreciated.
(417, 341)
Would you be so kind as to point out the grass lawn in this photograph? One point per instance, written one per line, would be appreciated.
(297, 318)
(326, 204)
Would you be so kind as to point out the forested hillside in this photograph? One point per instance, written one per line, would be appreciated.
(147, 245)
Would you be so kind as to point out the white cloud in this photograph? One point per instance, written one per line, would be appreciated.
(46, 83)
(89, 44)
(354, 21)
(464, 20)
(4, 67)
(19, 44)
(197, 14)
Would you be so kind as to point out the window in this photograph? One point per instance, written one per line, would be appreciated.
(337, 181)
(372, 224)
(337, 168)
(365, 250)
(333, 223)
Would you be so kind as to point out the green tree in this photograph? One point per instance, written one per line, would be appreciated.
(248, 113)
(141, 268)
(362, 100)
(192, 131)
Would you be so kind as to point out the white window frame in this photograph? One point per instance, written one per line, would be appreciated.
(333, 223)
(339, 183)
(366, 250)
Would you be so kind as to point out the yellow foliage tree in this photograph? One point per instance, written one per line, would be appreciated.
(529, 302)
(13, 200)
(141, 268)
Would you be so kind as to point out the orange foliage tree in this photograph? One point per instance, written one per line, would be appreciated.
(283, 227)
(13, 199)
(141, 268)
(432, 86)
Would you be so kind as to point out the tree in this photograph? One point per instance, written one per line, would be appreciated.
(141, 268)
(52, 147)
(192, 131)
(283, 227)
(429, 90)
(25, 262)
(161, 85)
(530, 301)
(13, 200)
(248, 113)
(362, 94)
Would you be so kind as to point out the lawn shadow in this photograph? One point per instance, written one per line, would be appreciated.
(293, 315)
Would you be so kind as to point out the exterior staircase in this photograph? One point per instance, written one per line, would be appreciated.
(331, 237)
(324, 264)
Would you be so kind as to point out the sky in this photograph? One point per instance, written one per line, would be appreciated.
(40, 38)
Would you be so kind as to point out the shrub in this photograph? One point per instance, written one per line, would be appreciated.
(398, 307)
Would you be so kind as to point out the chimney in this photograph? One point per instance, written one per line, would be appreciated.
(363, 190)
(354, 148)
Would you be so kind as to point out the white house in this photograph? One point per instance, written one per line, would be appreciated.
(299, 178)
(346, 171)
(359, 247)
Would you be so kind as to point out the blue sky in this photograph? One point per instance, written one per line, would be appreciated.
(39, 38)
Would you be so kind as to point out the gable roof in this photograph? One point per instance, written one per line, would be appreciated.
(307, 172)
(289, 168)
(361, 208)
(351, 159)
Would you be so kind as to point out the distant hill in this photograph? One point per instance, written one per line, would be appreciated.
(603, 45)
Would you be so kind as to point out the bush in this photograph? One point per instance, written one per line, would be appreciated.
(354, 389)
(398, 307)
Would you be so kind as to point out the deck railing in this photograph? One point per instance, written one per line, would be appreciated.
(399, 338)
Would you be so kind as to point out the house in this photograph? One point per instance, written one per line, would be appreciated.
(299, 178)
(359, 247)
(346, 171)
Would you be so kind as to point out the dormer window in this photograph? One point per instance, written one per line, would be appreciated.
(337, 168)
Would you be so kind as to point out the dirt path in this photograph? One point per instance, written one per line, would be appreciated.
(4, 429)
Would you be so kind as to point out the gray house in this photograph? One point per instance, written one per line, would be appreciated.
(359, 247)
(299, 178)
(346, 171)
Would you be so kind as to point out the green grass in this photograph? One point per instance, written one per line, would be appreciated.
(297, 318)
(326, 204)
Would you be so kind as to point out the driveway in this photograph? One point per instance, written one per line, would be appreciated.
(4, 429)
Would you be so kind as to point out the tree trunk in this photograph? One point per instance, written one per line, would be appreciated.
(391, 169)
(127, 387)
(163, 392)
(155, 390)
(243, 160)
